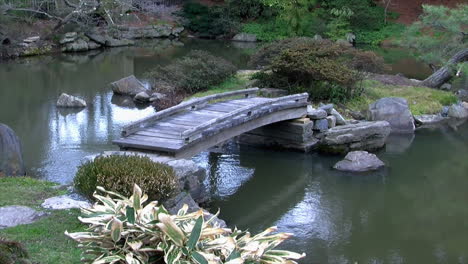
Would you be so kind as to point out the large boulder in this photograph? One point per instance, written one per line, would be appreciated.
(395, 111)
(359, 136)
(66, 100)
(245, 37)
(458, 111)
(128, 86)
(359, 161)
(11, 216)
(11, 157)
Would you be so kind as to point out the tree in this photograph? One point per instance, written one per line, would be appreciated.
(441, 40)
(294, 12)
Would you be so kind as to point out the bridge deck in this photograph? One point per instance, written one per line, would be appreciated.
(178, 128)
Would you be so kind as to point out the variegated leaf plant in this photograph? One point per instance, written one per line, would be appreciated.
(129, 230)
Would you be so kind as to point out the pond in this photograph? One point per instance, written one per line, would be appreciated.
(414, 212)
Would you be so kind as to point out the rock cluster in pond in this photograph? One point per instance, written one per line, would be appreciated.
(69, 101)
(359, 161)
(11, 216)
(11, 157)
(459, 111)
(395, 111)
(324, 129)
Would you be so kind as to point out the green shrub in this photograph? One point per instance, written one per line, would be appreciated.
(324, 69)
(195, 72)
(12, 252)
(250, 9)
(130, 230)
(375, 37)
(120, 173)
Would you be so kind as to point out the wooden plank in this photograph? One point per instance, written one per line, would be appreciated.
(155, 140)
(129, 143)
(165, 130)
(178, 126)
(157, 134)
(148, 121)
(244, 110)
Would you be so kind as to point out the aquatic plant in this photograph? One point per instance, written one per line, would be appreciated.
(129, 230)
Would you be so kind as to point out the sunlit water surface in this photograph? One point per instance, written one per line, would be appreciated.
(416, 211)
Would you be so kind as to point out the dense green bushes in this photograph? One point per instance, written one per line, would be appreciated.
(120, 173)
(195, 72)
(326, 70)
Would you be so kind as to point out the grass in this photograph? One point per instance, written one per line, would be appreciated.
(26, 191)
(44, 240)
(421, 100)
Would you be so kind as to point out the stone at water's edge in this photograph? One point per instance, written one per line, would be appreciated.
(360, 136)
(395, 111)
(458, 111)
(66, 100)
(359, 161)
(11, 157)
(128, 86)
(245, 37)
(11, 216)
(428, 120)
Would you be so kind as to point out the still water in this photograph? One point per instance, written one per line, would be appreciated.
(416, 211)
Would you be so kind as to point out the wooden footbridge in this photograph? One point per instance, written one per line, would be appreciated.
(198, 124)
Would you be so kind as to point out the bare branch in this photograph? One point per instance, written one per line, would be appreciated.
(33, 11)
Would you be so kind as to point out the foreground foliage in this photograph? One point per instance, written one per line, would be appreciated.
(129, 230)
(13, 252)
(195, 72)
(326, 70)
(120, 173)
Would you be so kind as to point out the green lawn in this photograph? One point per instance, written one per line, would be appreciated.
(234, 83)
(421, 100)
(44, 240)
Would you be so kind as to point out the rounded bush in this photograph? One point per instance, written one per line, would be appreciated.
(120, 173)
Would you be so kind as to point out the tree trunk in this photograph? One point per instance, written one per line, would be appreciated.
(446, 73)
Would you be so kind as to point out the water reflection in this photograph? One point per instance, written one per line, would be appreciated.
(413, 212)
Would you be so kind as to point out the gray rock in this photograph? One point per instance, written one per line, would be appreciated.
(66, 100)
(359, 161)
(317, 37)
(128, 86)
(457, 111)
(157, 96)
(446, 87)
(11, 157)
(177, 31)
(331, 121)
(425, 120)
(360, 136)
(93, 45)
(395, 111)
(76, 46)
(316, 114)
(11, 216)
(445, 111)
(142, 97)
(351, 38)
(327, 108)
(245, 37)
(64, 202)
(151, 31)
(112, 42)
(174, 204)
(340, 120)
(321, 125)
(32, 39)
(68, 38)
(462, 95)
(272, 92)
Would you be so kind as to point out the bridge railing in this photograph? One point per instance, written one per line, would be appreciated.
(192, 104)
(196, 132)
